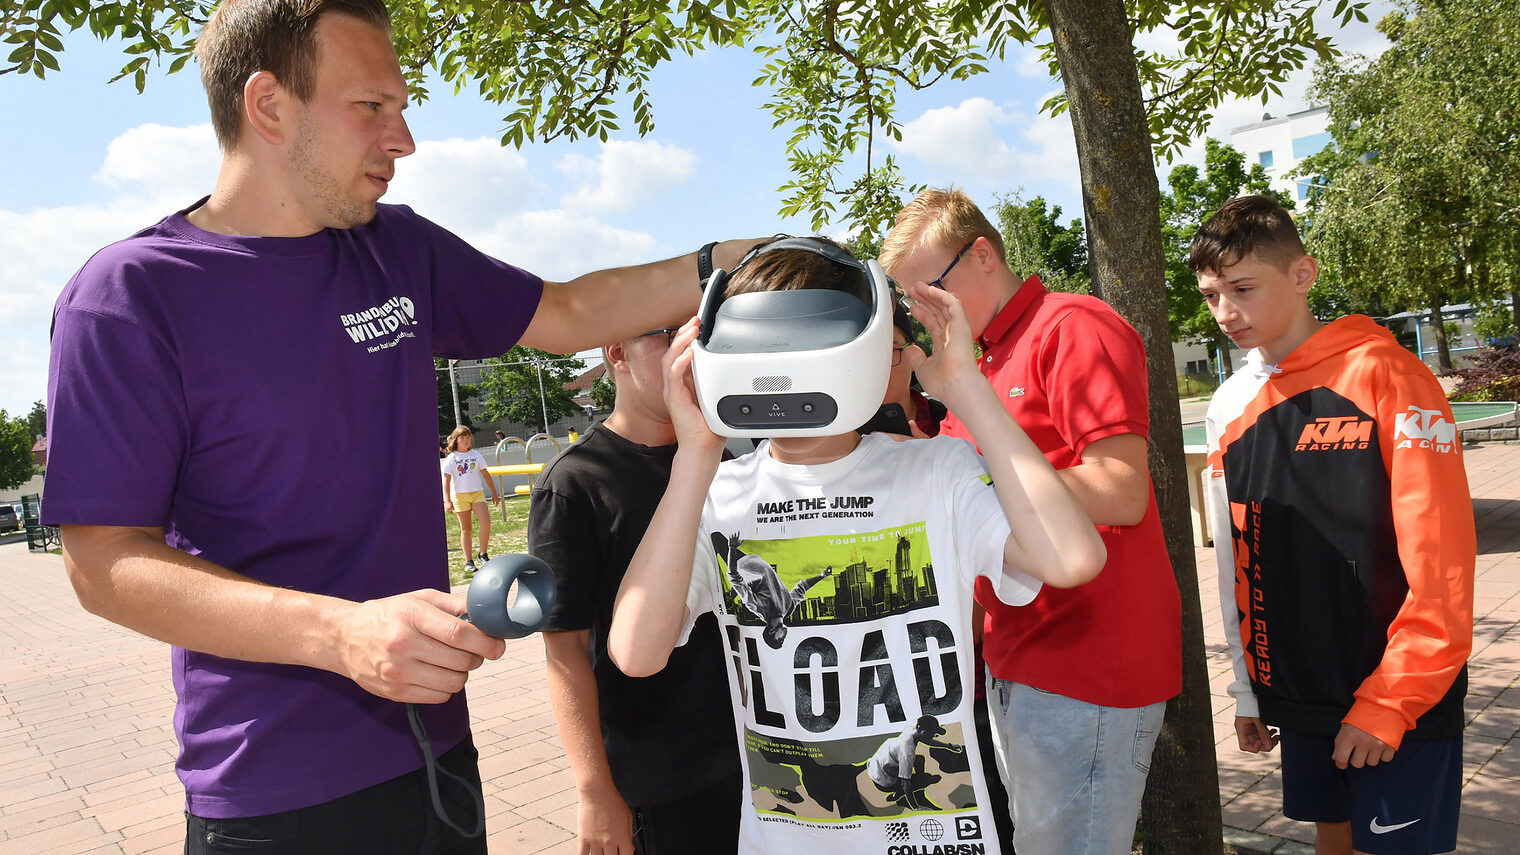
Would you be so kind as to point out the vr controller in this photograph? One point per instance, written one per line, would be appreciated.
(486, 598)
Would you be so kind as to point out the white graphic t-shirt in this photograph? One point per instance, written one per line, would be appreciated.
(466, 468)
(843, 595)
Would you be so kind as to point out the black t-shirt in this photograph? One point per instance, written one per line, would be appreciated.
(670, 734)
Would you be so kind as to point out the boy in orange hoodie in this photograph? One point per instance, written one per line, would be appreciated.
(1343, 530)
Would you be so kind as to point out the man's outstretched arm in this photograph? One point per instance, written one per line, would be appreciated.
(612, 305)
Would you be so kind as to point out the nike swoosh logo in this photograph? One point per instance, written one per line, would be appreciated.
(1384, 829)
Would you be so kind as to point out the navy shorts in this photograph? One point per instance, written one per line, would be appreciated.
(1407, 806)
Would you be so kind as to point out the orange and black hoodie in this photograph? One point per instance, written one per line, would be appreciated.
(1343, 530)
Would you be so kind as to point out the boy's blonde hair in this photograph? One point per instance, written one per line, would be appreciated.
(454, 437)
(1246, 225)
(946, 218)
(795, 269)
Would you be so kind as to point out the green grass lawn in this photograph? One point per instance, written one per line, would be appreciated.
(509, 533)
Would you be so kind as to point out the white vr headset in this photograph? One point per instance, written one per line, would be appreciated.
(809, 362)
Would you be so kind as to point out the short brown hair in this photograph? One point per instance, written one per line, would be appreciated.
(457, 434)
(794, 269)
(245, 37)
(946, 218)
(1246, 225)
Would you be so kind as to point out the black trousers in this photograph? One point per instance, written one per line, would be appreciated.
(703, 823)
(392, 818)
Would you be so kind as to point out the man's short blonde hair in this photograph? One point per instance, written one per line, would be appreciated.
(944, 218)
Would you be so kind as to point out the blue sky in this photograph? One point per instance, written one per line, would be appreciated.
(88, 163)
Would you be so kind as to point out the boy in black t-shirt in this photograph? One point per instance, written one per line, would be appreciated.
(654, 758)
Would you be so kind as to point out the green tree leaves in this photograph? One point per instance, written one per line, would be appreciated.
(527, 386)
(1419, 206)
(1037, 244)
(560, 69)
(151, 30)
(15, 451)
(603, 393)
(581, 69)
(36, 420)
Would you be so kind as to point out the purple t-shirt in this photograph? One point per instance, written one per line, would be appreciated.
(272, 401)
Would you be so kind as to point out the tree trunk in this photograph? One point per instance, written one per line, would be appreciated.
(1121, 199)
(1443, 347)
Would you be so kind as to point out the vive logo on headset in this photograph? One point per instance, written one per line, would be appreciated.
(803, 362)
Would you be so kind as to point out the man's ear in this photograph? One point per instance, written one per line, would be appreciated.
(266, 107)
(1305, 272)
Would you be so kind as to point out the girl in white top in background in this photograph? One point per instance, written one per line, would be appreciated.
(463, 471)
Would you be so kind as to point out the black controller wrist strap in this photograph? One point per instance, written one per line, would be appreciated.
(434, 770)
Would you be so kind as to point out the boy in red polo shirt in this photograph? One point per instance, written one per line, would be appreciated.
(1102, 658)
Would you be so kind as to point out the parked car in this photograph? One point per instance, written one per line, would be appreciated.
(9, 519)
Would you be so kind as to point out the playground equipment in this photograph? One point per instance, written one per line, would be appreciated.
(515, 459)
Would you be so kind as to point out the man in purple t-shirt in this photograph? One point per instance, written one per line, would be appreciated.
(242, 419)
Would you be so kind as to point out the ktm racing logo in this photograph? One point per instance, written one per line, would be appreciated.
(1428, 429)
(1335, 433)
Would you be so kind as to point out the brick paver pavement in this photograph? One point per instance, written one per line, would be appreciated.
(86, 747)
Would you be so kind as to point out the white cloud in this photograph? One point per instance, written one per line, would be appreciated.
(42, 249)
(463, 183)
(145, 173)
(985, 148)
(627, 173)
(961, 139)
(175, 165)
(562, 244)
(1026, 62)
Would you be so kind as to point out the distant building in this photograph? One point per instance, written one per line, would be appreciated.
(1279, 144)
(580, 387)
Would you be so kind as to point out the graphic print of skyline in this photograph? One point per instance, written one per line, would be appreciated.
(859, 591)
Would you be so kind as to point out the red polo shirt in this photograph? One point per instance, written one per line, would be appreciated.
(1072, 371)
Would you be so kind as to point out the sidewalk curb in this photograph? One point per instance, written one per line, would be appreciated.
(1240, 842)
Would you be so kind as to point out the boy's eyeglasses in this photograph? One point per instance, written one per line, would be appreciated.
(897, 353)
(939, 281)
(668, 332)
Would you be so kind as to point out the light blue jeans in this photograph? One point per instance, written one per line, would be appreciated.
(1075, 771)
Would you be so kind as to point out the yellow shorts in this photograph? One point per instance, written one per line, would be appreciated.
(465, 501)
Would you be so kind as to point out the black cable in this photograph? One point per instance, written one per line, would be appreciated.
(434, 770)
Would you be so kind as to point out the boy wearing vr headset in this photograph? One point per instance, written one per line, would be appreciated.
(908, 527)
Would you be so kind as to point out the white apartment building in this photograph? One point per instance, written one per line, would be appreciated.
(1278, 144)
